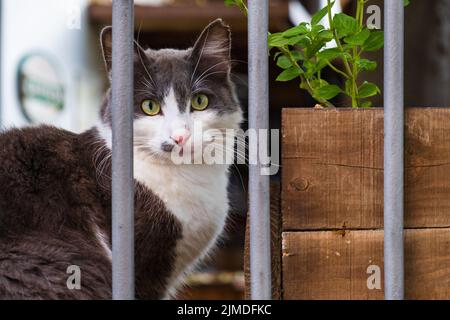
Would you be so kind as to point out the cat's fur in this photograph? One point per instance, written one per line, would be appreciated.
(55, 204)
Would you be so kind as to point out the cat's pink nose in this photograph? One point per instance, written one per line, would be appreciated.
(180, 136)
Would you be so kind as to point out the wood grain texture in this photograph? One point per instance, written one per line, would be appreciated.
(332, 168)
(330, 265)
(189, 16)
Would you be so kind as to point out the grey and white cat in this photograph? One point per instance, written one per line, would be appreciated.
(55, 205)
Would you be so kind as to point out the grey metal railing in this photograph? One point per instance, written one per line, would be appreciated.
(122, 150)
(393, 149)
(259, 192)
(258, 118)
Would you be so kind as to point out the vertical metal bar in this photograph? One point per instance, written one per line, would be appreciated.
(258, 113)
(1, 63)
(122, 150)
(393, 149)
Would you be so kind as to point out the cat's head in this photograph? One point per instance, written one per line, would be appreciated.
(177, 91)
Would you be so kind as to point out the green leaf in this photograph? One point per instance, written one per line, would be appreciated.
(314, 48)
(326, 35)
(367, 90)
(289, 74)
(320, 64)
(295, 31)
(318, 16)
(366, 104)
(365, 64)
(317, 83)
(345, 25)
(275, 56)
(301, 40)
(359, 38)
(328, 92)
(312, 68)
(284, 62)
(348, 87)
(296, 55)
(229, 3)
(238, 3)
(316, 29)
(277, 40)
(329, 54)
(374, 42)
(406, 2)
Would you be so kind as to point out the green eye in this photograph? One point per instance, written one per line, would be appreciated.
(150, 107)
(200, 102)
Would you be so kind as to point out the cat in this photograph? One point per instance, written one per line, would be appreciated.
(55, 204)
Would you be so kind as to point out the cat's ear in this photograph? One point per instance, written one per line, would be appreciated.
(106, 43)
(213, 43)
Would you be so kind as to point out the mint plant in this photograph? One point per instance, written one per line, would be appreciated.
(302, 53)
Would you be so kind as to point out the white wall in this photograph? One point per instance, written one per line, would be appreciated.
(59, 29)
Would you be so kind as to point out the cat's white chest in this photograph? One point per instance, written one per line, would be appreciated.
(197, 196)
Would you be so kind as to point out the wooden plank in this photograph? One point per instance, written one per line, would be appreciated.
(332, 162)
(275, 245)
(330, 265)
(189, 16)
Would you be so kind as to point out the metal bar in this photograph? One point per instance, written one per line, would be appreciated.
(1, 63)
(122, 150)
(393, 149)
(258, 113)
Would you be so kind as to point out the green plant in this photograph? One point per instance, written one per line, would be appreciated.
(303, 52)
(239, 3)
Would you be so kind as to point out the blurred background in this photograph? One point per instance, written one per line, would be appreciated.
(51, 72)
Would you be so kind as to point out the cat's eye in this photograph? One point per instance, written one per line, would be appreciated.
(150, 107)
(200, 102)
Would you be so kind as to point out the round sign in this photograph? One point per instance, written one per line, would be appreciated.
(40, 89)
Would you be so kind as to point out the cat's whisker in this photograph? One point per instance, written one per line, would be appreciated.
(101, 150)
(200, 56)
(235, 152)
(210, 68)
(240, 177)
(142, 61)
(147, 85)
(219, 63)
(205, 76)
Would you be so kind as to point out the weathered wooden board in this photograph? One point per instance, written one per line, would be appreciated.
(187, 16)
(330, 265)
(332, 168)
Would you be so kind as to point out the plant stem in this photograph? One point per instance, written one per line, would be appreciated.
(336, 39)
(244, 7)
(360, 19)
(337, 70)
(304, 81)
